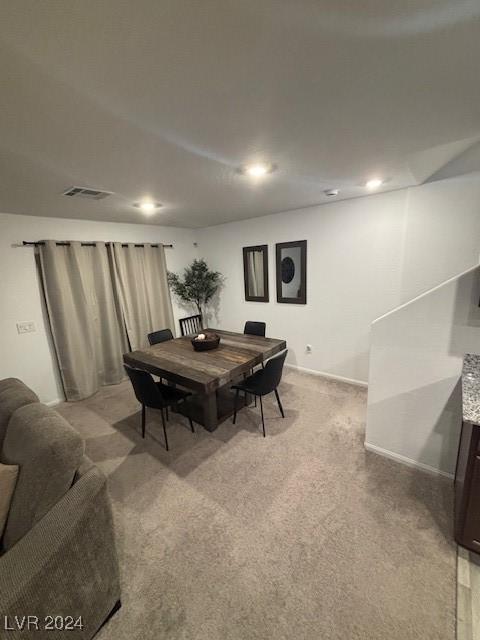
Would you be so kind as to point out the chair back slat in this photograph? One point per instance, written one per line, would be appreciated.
(159, 336)
(190, 325)
(253, 328)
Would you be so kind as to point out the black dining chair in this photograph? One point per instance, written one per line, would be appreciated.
(155, 395)
(261, 383)
(159, 336)
(253, 328)
(156, 337)
(192, 324)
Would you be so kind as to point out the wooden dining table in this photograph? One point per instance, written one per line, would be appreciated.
(208, 374)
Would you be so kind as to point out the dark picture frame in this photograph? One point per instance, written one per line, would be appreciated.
(286, 270)
(263, 248)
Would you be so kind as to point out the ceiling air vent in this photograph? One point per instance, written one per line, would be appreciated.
(86, 192)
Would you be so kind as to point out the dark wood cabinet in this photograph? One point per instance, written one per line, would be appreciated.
(467, 488)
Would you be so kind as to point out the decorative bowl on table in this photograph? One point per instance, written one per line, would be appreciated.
(206, 341)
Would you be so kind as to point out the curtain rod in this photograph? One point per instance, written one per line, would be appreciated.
(91, 244)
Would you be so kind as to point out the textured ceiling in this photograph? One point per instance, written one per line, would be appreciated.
(168, 97)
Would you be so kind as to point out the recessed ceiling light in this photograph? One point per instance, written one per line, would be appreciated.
(147, 206)
(373, 183)
(257, 169)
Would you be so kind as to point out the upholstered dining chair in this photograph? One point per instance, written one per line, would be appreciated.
(159, 336)
(253, 328)
(261, 383)
(156, 337)
(155, 395)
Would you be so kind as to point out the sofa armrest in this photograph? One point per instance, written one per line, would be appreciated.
(66, 565)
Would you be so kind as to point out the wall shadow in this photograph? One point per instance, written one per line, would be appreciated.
(426, 404)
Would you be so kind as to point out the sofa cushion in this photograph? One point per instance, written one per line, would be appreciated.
(13, 394)
(8, 480)
(7, 383)
(49, 452)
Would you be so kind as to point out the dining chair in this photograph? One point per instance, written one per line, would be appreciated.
(191, 324)
(156, 337)
(253, 328)
(261, 383)
(159, 336)
(155, 395)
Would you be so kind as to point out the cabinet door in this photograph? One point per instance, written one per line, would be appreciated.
(460, 477)
(472, 516)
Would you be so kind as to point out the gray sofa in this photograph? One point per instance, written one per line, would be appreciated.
(58, 556)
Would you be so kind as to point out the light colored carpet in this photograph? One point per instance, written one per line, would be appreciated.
(298, 536)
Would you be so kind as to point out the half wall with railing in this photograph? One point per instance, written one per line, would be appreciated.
(414, 393)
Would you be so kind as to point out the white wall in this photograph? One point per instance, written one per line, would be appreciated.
(365, 257)
(29, 356)
(414, 390)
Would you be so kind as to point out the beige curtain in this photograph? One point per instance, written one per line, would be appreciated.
(140, 275)
(86, 323)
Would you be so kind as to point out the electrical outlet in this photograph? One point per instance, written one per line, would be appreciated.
(25, 327)
(309, 348)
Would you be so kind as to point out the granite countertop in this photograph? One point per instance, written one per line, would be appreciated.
(471, 388)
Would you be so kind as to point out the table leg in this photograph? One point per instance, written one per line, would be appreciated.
(210, 418)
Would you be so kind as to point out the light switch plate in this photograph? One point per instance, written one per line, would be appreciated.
(25, 327)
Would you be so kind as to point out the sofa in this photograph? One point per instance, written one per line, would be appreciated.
(59, 572)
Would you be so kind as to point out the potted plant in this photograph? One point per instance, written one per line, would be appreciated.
(198, 285)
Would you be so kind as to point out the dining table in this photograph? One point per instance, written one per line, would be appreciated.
(207, 374)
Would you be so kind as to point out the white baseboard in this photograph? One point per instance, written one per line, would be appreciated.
(54, 403)
(407, 461)
(331, 376)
